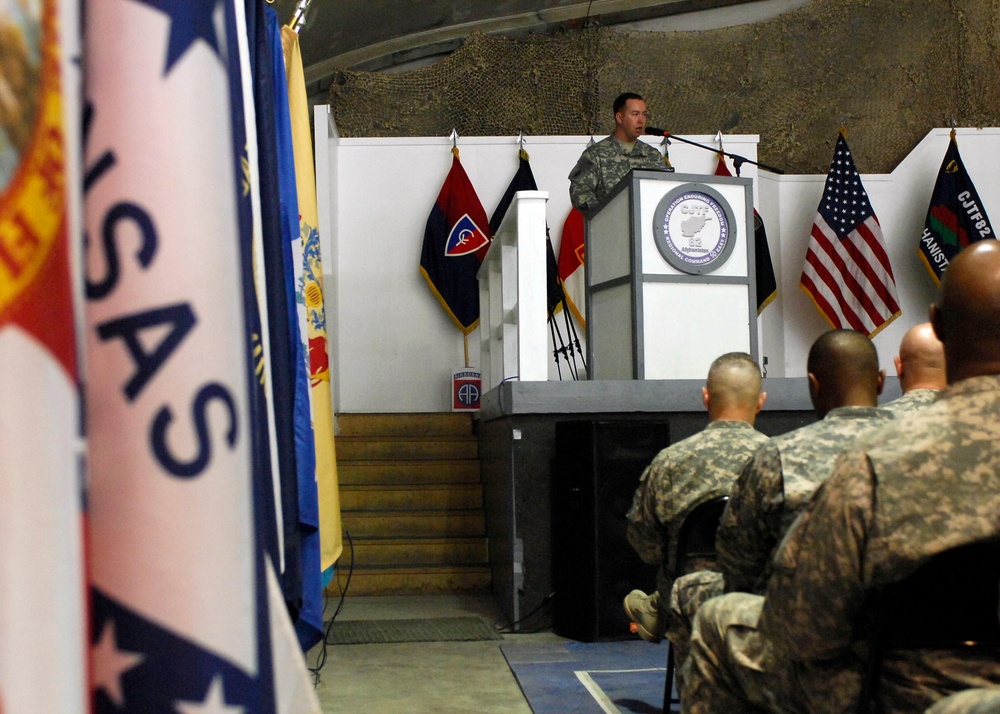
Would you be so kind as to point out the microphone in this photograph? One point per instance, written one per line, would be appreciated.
(652, 130)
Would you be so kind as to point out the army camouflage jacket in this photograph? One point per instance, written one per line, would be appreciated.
(911, 401)
(775, 486)
(899, 495)
(603, 165)
(682, 476)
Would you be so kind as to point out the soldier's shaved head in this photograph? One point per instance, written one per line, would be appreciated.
(732, 390)
(843, 371)
(920, 362)
(966, 317)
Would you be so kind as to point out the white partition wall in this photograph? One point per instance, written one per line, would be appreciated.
(392, 347)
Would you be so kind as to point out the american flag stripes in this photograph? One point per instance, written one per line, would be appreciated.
(847, 271)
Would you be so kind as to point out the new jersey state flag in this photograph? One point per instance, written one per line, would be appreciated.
(456, 239)
(43, 628)
(181, 619)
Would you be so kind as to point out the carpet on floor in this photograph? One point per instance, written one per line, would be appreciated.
(624, 677)
(437, 629)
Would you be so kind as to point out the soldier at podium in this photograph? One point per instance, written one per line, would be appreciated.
(602, 165)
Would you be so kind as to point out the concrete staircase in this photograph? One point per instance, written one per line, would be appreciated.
(412, 500)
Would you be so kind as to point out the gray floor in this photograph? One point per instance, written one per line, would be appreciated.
(458, 677)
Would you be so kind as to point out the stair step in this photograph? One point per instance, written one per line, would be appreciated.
(414, 498)
(351, 473)
(414, 424)
(363, 448)
(412, 580)
(410, 552)
(414, 524)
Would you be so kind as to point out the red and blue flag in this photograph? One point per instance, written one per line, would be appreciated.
(456, 239)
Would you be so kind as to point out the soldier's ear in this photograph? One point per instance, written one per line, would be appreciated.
(937, 322)
(880, 382)
(813, 385)
(760, 401)
(705, 399)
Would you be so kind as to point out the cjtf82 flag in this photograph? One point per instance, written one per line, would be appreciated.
(847, 271)
(181, 616)
(42, 614)
(956, 216)
(456, 239)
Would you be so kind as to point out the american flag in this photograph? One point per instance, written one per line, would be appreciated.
(847, 271)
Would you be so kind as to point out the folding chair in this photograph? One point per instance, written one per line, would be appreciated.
(950, 602)
(696, 539)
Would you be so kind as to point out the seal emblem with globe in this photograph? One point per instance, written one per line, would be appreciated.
(694, 228)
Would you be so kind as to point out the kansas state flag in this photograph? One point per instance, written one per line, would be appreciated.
(456, 239)
(181, 616)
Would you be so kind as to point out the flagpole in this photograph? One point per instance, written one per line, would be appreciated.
(466, 339)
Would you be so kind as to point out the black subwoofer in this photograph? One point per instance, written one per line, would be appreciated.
(594, 476)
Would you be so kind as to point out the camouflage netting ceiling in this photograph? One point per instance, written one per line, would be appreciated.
(887, 70)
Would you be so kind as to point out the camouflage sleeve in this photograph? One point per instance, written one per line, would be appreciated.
(816, 591)
(746, 533)
(583, 182)
(652, 158)
(644, 531)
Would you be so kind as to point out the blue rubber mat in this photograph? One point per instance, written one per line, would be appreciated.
(590, 678)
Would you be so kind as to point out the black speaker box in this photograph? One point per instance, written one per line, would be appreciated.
(595, 473)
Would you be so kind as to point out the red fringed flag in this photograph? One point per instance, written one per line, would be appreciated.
(456, 239)
(847, 272)
(571, 265)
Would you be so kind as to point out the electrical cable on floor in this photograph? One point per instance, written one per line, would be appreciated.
(321, 655)
(509, 630)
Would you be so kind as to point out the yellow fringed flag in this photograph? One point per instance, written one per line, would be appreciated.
(331, 540)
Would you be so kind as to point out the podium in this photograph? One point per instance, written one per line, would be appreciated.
(670, 276)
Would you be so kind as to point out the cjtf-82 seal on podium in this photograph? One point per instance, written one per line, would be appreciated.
(694, 228)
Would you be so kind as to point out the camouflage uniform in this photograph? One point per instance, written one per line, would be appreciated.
(681, 477)
(603, 165)
(971, 701)
(774, 488)
(898, 496)
(912, 400)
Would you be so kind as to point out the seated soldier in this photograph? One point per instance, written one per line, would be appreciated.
(897, 497)
(844, 385)
(920, 368)
(689, 473)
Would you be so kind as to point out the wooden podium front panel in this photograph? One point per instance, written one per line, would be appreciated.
(612, 309)
(609, 249)
(676, 343)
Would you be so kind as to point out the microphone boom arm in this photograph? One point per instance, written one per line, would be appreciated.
(737, 159)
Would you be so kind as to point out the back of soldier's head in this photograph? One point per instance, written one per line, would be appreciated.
(920, 362)
(734, 381)
(844, 368)
(967, 314)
